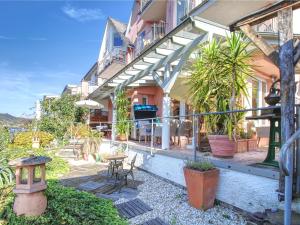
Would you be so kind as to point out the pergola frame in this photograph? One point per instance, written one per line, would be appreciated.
(286, 59)
(160, 64)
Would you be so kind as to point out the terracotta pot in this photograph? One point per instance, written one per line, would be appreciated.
(252, 145)
(221, 146)
(122, 137)
(201, 187)
(241, 145)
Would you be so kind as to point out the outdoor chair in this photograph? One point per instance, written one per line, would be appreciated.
(173, 129)
(122, 175)
(157, 133)
(184, 129)
(144, 131)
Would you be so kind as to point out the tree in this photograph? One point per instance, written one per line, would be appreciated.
(59, 114)
(218, 81)
(123, 106)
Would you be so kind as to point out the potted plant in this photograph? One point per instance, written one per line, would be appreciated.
(123, 124)
(201, 179)
(217, 83)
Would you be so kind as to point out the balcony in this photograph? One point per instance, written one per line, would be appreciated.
(153, 10)
(145, 39)
(112, 62)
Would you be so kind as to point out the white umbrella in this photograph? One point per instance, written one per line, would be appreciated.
(90, 104)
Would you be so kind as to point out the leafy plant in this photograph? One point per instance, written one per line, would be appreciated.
(24, 139)
(4, 137)
(59, 114)
(61, 209)
(218, 81)
(203, 165)
(6, 173)
(123, 106)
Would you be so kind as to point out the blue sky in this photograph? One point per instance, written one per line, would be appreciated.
(45, 45)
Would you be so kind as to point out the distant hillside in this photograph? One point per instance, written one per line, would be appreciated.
(9, 120)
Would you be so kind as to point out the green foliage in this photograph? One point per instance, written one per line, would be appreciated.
(24, 139)
(123, 112)
(4, 137)
(218, 81)
(58, 114)
(54, 168)
(6, 173)
(67, 206)
(203, 165)
(82, 131)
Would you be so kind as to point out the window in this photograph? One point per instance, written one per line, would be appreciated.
(181, 10)
(118, 42)
(145, 100)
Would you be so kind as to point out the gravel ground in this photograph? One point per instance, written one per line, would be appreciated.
(170, 203)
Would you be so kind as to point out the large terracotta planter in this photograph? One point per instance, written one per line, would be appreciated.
(221, 146)
(122, 137)
(201, 187)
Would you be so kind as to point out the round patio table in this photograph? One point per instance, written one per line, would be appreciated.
(113, 162)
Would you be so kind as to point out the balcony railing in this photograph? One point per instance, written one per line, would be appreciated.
(157, 31)
(116, 55)
(269, 26)
(144, 4)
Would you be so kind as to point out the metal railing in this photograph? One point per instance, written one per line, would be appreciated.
(156, 32)
(116, 55)
(269, 26)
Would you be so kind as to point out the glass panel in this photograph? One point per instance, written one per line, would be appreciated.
(181, 10)
(24, 176)
(37, 174)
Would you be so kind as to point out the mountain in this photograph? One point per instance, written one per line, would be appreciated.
(9, 120)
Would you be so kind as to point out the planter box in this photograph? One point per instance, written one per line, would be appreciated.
(241, 145)
(252, 144)
(201, 187)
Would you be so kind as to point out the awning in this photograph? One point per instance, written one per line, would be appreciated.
(167, 54)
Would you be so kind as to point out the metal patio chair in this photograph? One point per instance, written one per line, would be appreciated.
(122, 175)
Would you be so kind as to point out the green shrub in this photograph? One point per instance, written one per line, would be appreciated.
(67, 206)
(203, 165)
(4, 137)
(24, 139)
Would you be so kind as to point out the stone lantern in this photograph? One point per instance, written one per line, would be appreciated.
(30, 184)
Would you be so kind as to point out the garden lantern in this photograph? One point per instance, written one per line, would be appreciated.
(30, 184)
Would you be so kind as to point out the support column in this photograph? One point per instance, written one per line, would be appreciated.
(165, 143)
(287, 87)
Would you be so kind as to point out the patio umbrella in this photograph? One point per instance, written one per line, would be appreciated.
(90, 104)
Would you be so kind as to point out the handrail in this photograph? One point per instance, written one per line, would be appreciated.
(283, 152)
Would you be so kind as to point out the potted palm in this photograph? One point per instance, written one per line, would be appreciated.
(123, 124)
(201, 179)
(217, 83)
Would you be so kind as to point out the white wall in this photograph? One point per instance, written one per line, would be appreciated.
(245, 191)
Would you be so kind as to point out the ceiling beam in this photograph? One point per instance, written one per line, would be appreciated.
(261, 43)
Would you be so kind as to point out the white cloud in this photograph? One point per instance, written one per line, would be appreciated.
(6, 38)
(19, 89)
(83, 14)
(37, 39)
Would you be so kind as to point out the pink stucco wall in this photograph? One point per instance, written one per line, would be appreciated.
(154, 95)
